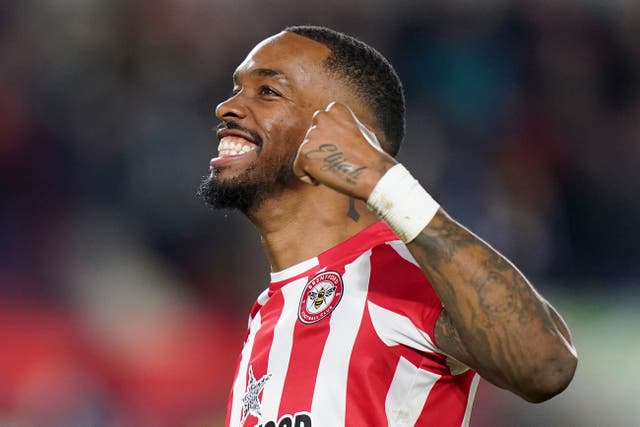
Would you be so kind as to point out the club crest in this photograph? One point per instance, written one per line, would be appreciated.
(320, 297)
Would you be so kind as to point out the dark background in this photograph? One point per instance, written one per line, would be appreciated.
(123, 301)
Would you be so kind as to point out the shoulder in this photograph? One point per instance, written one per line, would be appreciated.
(398, 284)
(394, 270)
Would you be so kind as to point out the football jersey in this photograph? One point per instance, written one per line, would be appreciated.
(347, 339)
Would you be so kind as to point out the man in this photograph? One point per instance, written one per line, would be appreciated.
(381, 308)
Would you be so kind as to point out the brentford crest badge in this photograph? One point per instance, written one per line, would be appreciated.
(320, 297)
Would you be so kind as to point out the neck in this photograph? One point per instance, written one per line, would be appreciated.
(299, 225)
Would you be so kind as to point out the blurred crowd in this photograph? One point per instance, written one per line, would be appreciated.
(123, 300)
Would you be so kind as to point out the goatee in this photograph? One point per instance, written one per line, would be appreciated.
(247, 191)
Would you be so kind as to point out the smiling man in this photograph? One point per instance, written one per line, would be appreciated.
(382, 310)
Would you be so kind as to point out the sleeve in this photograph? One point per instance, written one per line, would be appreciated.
(402, 304)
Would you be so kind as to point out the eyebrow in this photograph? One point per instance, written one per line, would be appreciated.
(264, 72)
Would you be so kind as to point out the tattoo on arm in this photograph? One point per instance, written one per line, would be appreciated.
(448, 339)
(493, 319)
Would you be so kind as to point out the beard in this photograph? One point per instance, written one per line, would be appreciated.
(247, 191)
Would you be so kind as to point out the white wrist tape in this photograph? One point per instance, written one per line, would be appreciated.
(399, 199)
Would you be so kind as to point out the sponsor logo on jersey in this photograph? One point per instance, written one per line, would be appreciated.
(300, 419)
(320, 297)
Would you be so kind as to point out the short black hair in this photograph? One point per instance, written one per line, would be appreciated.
(369, 74)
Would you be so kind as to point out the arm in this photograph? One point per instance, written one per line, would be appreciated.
(493, 320)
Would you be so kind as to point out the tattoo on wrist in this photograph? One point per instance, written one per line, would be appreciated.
(335, 162)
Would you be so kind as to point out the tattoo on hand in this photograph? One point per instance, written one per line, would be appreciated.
(335, 162)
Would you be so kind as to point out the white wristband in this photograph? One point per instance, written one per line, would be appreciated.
(399, 199)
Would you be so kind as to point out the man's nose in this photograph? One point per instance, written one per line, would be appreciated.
(231, 109)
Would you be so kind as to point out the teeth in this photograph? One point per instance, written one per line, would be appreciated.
(234, 146)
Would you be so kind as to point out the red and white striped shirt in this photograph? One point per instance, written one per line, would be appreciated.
(346, 339)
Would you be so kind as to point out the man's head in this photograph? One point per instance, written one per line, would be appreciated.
(369, 76)
(277, 88)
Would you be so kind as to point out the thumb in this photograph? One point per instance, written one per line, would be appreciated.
(297, 167)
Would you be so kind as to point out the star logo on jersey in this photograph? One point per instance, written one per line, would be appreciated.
(250, 400)
(320, 297)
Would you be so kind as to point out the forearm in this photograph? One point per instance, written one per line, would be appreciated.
(511, 335)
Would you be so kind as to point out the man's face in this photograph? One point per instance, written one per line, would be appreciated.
(277, 88)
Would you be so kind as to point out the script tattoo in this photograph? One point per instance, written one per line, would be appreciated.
(335, 162)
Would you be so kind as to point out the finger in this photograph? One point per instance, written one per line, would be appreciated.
(298, 171)
(297, 168)
(339, 108)
(330, 106)
(314, 118)
(297, 159)
(370, 136)
(308, 180)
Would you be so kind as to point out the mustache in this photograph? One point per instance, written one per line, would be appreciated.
(233, 125)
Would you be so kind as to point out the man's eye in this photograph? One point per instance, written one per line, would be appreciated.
(266, 90)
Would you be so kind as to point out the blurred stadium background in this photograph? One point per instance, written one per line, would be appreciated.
(123, 301)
